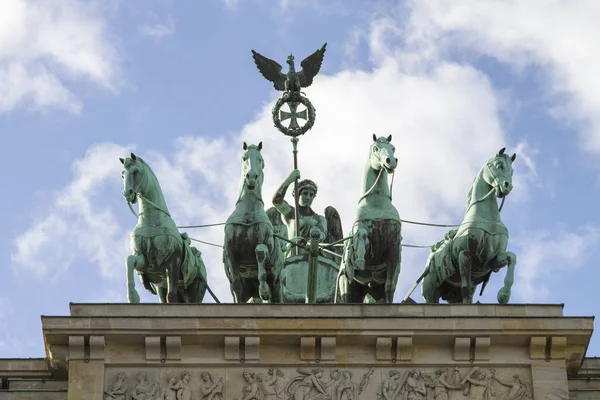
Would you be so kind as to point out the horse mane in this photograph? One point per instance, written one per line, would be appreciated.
(145, 164)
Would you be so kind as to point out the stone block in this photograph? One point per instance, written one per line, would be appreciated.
(404, 348)
(328, 348)
(462, 349)
(308, 348)
(232, 348)
(153, 352)
(251, 348)
(96, 347)
(537, 348)
(558, 348)
(173, 344)
(383, 349)
(482, 348)
(76, 348)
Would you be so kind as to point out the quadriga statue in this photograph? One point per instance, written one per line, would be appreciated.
(468, 256)
(163, 258)
(252, 255)
(372, 257)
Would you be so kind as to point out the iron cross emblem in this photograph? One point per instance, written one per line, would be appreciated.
(293, 115)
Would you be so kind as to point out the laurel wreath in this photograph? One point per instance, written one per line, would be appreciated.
(294, 131)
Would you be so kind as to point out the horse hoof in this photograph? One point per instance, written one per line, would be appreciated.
(264, 291)
(503, 296)
(133, 297)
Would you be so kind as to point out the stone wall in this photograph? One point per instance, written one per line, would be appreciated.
(308, 352)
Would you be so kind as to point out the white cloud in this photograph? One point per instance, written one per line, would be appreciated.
(80, 226)
(46, 45)
(544, 253)
(557, 36)
(159, 30)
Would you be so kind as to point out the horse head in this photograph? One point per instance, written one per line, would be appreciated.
(381, 154)
(134, 177)
(252, 166)
(498, 173)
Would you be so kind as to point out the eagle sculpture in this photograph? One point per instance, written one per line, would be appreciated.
(293, 81)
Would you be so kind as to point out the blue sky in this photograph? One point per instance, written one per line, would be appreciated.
(85, 82)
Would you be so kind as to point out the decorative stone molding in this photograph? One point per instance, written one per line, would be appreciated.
(173, 344)
(76, 348)
(153, 352)
(404, 348)
(308, 348)
(383, 349)
(328, 348)
(537, 348)
(462, 349)
(558, 348)
(482, 348)
(96, 347)
(251, 348)
(232, 348)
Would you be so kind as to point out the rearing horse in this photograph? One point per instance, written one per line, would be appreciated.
(468, 255)
(372, 258)
(252, 255)
(162, 257)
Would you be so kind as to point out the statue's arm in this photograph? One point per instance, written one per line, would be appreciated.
(279, 198)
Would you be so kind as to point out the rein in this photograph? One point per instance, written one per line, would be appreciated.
(368, 192)
(149, 202)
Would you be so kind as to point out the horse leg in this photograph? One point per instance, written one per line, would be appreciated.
(510, 260)
(134, 262)
(360, 247)
(393, 262)
(264, 291)
(275, 265)
(161, 291)
(428, 290)
(173, 273)
(465, 262)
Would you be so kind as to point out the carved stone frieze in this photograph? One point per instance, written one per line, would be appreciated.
(238, 383)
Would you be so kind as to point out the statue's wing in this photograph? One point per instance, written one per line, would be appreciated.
(334, 231)
(311, 66)
(270, 69)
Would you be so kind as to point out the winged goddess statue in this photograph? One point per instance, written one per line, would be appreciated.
(293, 81)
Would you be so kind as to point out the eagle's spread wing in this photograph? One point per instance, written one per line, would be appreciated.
(270, 69)
(311, 66)
(334, 232)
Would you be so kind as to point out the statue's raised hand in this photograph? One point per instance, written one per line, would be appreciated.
(295, 174)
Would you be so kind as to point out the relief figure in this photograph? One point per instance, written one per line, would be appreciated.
(308, 386)
(209, 389)
(518, 389)
(144, 390)
(347, 389)
(171, 388)
(251, 390)
(480, 384)
(392, 386)
(271, 384)
(118, 388)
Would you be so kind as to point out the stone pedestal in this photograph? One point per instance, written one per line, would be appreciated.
(316, 352)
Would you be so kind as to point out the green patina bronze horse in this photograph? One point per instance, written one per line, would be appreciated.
(252, 256)
(467, 256)
(163, 258)
(372, 258)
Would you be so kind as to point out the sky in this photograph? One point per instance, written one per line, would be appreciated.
(83, 83)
